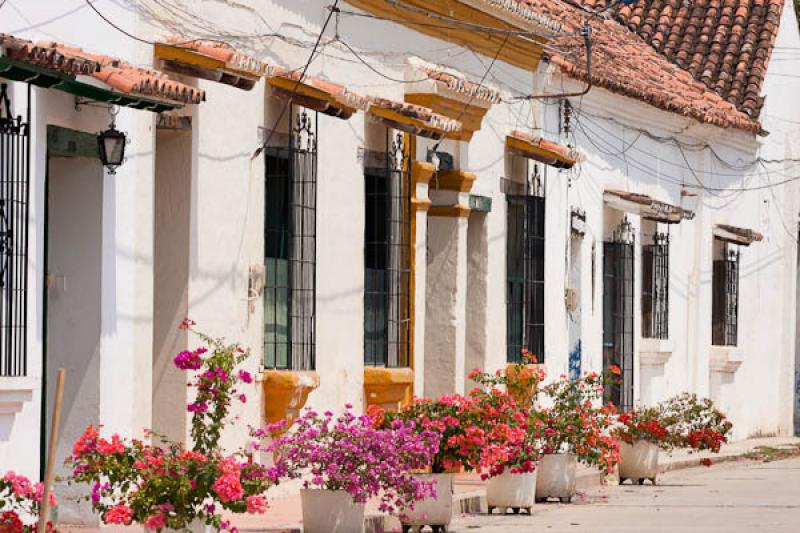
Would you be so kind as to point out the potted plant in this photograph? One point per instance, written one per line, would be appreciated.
(511, 436)
(20, 502)
(346, 460)
(576, 429)
(454, 419)
(684, 421)
(168, 486)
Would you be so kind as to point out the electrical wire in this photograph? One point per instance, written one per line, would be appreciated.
(655, 173)
(288, 102)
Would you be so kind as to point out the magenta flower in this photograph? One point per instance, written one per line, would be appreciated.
(245, 376)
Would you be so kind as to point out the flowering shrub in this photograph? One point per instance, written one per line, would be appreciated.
(521, 379)
(510, 435)
(578, 423)
(695, 423)
(19, 498)
(169, 486)
(158, 487)
(349, 453)
(216, 378)
(684, 421)
(453, 418)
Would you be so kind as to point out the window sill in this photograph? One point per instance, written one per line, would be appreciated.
(387, 387)
(286, 392)
(14, 393)
(654, 352)
(725, 359)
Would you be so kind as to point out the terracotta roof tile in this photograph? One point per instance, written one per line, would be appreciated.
(564, 151)
(340, 92)
(233, 59)
(455, 81)
(44, 55)
(719, 42)
(417, 112)
(623, 64)
(115, 73)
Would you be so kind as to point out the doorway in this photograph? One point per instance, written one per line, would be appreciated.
(618, 324)
(73, 255)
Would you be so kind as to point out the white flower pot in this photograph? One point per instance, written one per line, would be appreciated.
(195, 526)
(434, 512)
(556, 477)
(511, 491)
(638, 461)
(331, 511)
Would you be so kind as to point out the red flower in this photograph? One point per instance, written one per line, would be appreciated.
(119, 514)
(706, 462)
(614, 369)
(10, 522)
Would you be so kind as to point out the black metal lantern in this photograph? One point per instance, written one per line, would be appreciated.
(111, 146)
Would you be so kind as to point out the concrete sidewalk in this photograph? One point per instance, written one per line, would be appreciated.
(285, 513)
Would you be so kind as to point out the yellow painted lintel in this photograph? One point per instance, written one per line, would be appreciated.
(455, 180)
(533, 151)
(286, 392)
(187, 56)
(388, 387)
(456, 211)
(309, 91)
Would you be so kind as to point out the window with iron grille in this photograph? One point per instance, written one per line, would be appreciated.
(290, 249)
(655, 288)
(14, 194)
(725, 289)
(618, 317)
(525, 276)
(387, 260)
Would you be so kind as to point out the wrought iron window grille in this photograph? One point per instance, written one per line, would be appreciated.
(14, 225)
(655, 287)
(618, 316)
(290, 247)
(725, 298)
(387, 258)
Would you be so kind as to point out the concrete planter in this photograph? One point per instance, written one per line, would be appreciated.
(331, 511)
(434, 512)
(638, 461)
(195, 526)
(556, 477)
(511, 491)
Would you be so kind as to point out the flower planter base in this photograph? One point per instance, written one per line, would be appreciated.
(638, 462)
(514, 492)
(556, 477)
(331, 511)
(434, 512)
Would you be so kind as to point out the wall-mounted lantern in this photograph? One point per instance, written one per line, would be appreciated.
(111, 146)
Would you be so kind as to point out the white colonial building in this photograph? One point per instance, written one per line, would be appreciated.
(449, 183)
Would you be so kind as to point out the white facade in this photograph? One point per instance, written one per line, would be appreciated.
(178, 229)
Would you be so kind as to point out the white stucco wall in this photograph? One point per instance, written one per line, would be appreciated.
(225, 204)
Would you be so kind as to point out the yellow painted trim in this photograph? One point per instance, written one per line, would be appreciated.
(532, 151)
(388, 387)
(309, 91)
(455, 180)
(420, 205)
(457, 210)
(421, 172)
(524, 398)
(286, 392)
(187, 56)
(470, 116)
(410, 142)
(398, 118)
(518, 50)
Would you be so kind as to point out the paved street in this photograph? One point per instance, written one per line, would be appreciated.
(729, 497)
